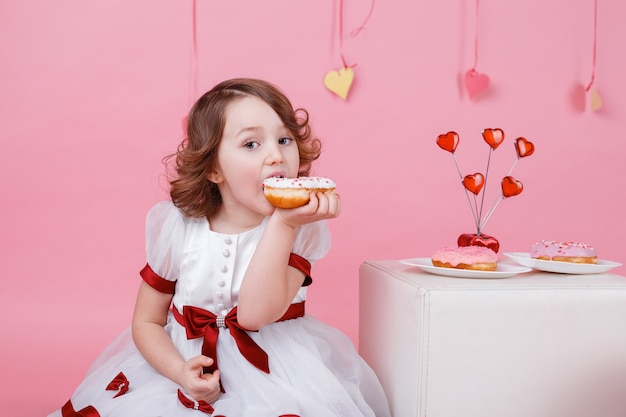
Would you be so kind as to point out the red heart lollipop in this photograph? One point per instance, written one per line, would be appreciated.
(524, 147)
(473, 239)
(474, 182)
(493, 137)
(448, 141)
(511, 187)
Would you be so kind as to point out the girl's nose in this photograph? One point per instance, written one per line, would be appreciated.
(274, 155)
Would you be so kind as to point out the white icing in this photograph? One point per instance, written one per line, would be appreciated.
(300, 182)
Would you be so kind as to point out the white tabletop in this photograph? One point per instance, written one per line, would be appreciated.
(529, 280)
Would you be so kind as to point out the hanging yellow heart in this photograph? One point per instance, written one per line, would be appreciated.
(339, 82)
(595, 102)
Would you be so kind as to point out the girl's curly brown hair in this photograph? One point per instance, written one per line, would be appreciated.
(196, 156)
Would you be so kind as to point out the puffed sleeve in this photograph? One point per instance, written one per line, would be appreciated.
(313, 241)
(165, 233)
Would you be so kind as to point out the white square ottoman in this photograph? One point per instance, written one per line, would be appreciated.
(534, 345)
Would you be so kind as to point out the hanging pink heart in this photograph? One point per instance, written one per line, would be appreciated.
(493, 137)
(448, 141)
(511, 187)
(524, 147)
(577, 97)
(474, 183)
(475, 83)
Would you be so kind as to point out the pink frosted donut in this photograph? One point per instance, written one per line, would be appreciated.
(294, 192)
(465, 257)
(550, 250)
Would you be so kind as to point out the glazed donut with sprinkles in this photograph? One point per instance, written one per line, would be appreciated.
(478, 258)
(294, 192)
(576, 252)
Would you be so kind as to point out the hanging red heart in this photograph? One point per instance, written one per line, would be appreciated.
(474, 182)
(511, 187)
(448, 142)
(493, 137)
(524, 147)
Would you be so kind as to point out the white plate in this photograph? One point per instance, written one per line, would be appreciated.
(523, 258)
(502, 271)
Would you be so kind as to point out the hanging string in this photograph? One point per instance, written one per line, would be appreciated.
(354, 33)
(482, 200)
(343, 59)
(595, 41)
(476, 37)
(358, 30)
(193, 66)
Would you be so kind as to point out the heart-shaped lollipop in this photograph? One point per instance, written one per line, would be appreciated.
(524, 147)
(493, 137)
(511, 187)
(448, 141)
(474, 182)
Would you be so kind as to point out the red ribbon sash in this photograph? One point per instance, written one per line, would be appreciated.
(202, 323)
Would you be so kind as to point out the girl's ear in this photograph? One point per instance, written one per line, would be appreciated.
(215, 177)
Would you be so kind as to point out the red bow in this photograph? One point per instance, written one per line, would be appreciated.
(196, 405)
(119, 383)
(202, 323)
(68, 411)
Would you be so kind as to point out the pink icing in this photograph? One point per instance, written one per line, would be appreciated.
(465, 255)
(552, 248)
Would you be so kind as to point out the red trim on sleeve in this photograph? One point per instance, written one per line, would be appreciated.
(158, 283)
(303, 266)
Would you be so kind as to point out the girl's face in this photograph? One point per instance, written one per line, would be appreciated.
(255, 146)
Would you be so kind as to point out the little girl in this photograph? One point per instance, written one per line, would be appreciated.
(219, 327)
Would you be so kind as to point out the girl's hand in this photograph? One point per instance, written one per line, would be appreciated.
(321, 206)
(200, 386)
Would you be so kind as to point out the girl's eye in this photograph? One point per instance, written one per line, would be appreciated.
(285, 140)
(250, 145)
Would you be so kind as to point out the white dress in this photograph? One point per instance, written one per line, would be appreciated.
(314, 369)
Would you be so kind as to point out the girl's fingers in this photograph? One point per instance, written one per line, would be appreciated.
(213, 380)
(335, 200)
(330, 204)
(323, 202)
(196, 364)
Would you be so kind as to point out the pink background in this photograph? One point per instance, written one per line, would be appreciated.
(93, 94)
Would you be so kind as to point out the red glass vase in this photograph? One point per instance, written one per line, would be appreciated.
(474, 239)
